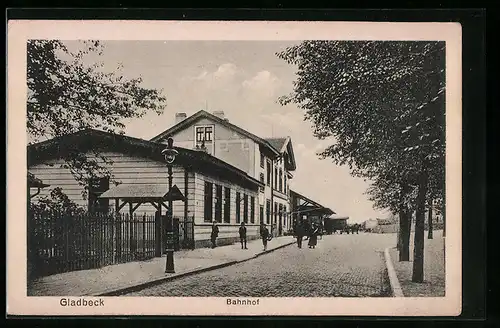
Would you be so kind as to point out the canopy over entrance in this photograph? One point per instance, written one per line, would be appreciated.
(139, 194)
(306, 206)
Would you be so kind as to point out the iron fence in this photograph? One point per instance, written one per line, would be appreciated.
(60, 243)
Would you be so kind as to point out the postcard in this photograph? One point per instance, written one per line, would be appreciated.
(234, 168)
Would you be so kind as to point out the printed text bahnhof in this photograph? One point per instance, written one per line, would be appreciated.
(237, 301)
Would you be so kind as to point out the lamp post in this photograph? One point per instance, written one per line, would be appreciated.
(170, 153)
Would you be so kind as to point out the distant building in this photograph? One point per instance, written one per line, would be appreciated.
(334, 223)
(306, 209)
(370, 224)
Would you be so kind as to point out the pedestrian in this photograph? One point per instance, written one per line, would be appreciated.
(313, 236)
(214, 234)
(243, 235)
(307, 229)
(299, 233)
(264, 235)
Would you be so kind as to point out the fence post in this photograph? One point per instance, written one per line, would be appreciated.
(133, 246)
(144, 235)
(118, 236)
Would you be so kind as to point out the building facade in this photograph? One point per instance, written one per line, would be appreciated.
(270, 161)
(214, 190)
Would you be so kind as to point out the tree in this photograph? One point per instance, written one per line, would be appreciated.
(66, 95)
(382, 102)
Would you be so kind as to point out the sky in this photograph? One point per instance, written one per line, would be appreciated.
(244, 79)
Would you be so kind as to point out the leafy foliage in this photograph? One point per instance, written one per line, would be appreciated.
(66, 95)
(56, 202)
(382, 103)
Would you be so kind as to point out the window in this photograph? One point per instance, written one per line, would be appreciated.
(268, 211)
(284, 184)
(262, 180)
(268, 182)
(262, 160)
(227, 205)
(285, 216)
(275, 212)
(280, 214)
(261, 213)
(252, 209)
(281, 181)
(96, 187)
(275, 178)
(208, 201)
(204, 133)
(218, 203)
(208, 133)
(200, 134)
(238, 200)
(245, 208)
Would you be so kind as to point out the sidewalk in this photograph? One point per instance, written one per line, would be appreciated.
(125, 277)
(434, 269)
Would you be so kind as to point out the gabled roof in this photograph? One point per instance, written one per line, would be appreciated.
(311, 203)
(282, 145)
(95, 140)
(278, 143)
(204, 114)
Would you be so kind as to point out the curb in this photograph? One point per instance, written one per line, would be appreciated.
(393, 278)
(272, 250)
(130, 289)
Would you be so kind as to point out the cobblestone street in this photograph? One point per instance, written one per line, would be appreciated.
(341, 265)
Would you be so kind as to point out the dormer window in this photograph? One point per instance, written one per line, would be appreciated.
(204, 133)
(208, 133)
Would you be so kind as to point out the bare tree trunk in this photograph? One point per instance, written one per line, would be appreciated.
(418, 252)
(429, 223)
(404, 228)
(409, 214)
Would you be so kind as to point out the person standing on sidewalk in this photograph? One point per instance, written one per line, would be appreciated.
(299, 232)
(243, 235)
(264, 235)
(214, 234)
(313, 236)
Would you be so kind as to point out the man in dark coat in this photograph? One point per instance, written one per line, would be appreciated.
(214, 234)
(243, 235)
(299, 232)
(264, 235)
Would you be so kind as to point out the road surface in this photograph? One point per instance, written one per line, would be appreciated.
(340, 266)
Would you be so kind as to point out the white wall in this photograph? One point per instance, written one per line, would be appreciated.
(126, 169)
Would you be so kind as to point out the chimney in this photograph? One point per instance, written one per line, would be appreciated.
(179, 117)
(219, 114)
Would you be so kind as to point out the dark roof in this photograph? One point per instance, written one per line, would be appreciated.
(204, 114)
(34, 182)
(280, 144)
(323, 209)
(136, 191)
(277, 143)
(96, 140)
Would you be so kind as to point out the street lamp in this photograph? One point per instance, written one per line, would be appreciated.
(170, 153)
